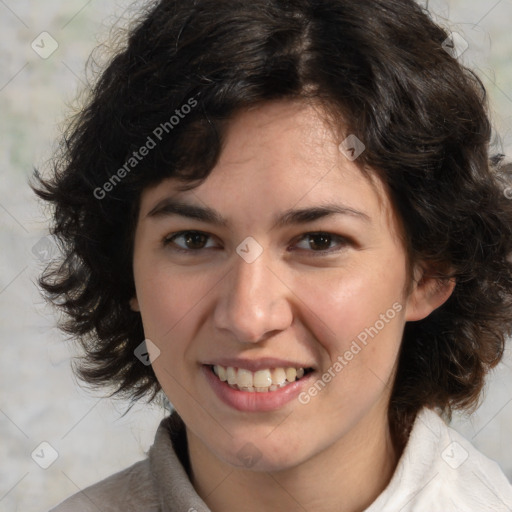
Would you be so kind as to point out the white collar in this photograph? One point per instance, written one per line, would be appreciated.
(440, 471)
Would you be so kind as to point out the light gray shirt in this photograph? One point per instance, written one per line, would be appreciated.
(439, 471)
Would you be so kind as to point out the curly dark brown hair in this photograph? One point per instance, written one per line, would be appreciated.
(380, 70)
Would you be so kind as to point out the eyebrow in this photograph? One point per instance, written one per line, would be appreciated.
(170, 207)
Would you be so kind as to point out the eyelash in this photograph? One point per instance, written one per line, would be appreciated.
(342, 241)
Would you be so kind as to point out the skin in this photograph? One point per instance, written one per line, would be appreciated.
(335, 452)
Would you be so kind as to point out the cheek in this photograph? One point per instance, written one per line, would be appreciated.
(170, 302)
(357, 316)
(168, 297)
(347, 303)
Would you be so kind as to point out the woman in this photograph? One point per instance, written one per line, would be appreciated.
(283, 214)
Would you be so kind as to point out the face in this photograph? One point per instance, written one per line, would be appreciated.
(286, 257)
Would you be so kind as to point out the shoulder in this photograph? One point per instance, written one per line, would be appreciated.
(466, 478)
(128, 490)
(145, 486)
(441, 470)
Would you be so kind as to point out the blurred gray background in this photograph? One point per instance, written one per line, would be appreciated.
(44, 47)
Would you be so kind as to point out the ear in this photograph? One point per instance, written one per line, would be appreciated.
(428, 293)
(134, 304)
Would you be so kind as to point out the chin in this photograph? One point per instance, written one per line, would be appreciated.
(256, 456)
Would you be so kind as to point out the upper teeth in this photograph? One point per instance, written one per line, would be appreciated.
(260, 381)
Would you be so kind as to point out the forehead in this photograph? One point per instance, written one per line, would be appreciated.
(279, 155)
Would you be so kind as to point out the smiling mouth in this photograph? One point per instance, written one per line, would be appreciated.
(261, 381)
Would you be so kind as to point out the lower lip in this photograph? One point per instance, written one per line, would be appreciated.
(247, 401)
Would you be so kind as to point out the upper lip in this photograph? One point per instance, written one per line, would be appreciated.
(254, 365)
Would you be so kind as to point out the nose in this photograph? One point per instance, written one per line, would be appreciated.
(254, 302)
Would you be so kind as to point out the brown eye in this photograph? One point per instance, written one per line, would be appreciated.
(322, 243)
(195, 240)
(187, 241)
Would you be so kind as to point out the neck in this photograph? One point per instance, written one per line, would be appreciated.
(347, 476)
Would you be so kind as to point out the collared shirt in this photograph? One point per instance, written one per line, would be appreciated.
(439, 471)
